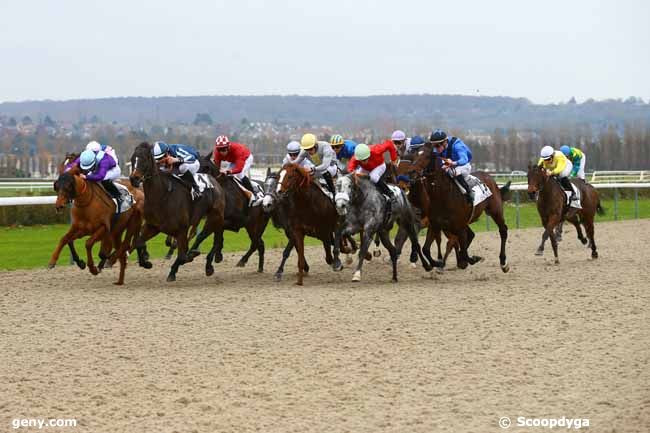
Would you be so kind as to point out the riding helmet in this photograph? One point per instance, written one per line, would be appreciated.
(362, 152)
(87, 159)
(307, 141)
(159, 150)
(438, 136)
(547, 152)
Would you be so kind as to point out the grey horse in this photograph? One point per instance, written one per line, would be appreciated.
(364, 210)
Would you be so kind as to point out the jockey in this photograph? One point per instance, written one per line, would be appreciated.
(239, 157)
(96, 147)
(293, 149)
(184, 158)
(370, 160)
(414, 145)
(101, 167)
(398, 139)
(321, 154)
(456, 158)
(556, 164)
(344, 149)
(577, 158)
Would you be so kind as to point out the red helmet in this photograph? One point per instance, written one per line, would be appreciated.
(222, 142)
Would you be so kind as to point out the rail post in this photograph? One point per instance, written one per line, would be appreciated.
(517, 208)
(636, 203)
(615, 204)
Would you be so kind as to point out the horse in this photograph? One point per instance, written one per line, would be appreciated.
(93, 214)
(279, 220)
(238, 214)
(449, 210)
(364, 209)
(169, 208)
(553, 208)
(307, 212)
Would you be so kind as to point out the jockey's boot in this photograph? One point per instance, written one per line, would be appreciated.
(247, 184)
(110, 187)
(189, 178)
(384, 189)
(330, 183)
(566, 184)
(469, 194)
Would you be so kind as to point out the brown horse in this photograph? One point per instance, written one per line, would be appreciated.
(450, 212)
(553, 208)
(93, 214)
(308, 213)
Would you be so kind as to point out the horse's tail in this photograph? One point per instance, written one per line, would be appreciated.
(600, 209)
(506, 193)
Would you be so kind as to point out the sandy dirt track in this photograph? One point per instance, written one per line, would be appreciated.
(238, 352)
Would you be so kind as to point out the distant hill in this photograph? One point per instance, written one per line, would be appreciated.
(445, 110)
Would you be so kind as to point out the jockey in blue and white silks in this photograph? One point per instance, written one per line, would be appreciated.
(180, 157)
(456, 158)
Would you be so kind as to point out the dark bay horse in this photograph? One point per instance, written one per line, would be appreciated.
(169, 208)
(553, 208)
(308, 212)
(450, 212)
(364, 210)
(93, 214)
(238, 214)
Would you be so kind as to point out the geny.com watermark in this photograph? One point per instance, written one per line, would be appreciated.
(42, 423)
(550, 423)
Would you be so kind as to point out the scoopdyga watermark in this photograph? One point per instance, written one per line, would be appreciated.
(548, 423)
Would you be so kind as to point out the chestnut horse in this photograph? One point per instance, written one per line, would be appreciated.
(450, 212)
(93, 214)
(308, 212)
(553, 208)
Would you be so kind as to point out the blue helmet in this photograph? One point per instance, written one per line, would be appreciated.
(566, 150)
(87, 159)
(417, 141)
(438, 136)
(159, 149)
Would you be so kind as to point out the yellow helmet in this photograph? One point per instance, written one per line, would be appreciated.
(307, 141)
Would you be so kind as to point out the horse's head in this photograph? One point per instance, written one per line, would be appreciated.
(423, 159)
(69, 158)
(536, 178)
(344, 190)
(271, 189)
(143, 165)
(65, 190)
(293, 178)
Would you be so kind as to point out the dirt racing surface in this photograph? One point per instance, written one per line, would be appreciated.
(237, 352)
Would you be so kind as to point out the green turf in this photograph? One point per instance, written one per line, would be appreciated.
(31, 247)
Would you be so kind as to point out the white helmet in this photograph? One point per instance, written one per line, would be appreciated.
(293, 147)
(547, 152)
(94, 146)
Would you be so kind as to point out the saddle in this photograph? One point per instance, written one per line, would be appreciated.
(480, 190)
(127, 200)
(202, 181)
(576, 204)
(254, 199)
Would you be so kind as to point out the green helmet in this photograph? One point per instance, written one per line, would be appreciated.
(362, 152)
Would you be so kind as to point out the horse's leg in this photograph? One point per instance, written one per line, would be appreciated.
(550, 231)
(470, 237)
(558, 230)
(400, 239)
(194, 250)
(366, 239)
(576, 223)
(413, 237)
(462, 257)
(328, 249)
(105, 252)
(89, 248)
(299, 239)
(540, 249)
(171, 243)
(285, 255)
(147, 233)
(392, 251)
(260, 252)
(377, 251)
(338, 236)
(438, 237)
(181, 255)
(75, 257)
(589, 228)
(426, 249)
(67, 239)
(503, 233)
(251, 249)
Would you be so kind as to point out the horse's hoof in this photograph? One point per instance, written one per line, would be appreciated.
(462, 265)
(394, 280)
(81, 264)
(475, 259)
(118, 283)
(240, 264)
(368, 256)
(306, 269)
(413, 265)
(594, 255)
(439, 271)
(209, 271)
(298, 283)
(557, 261)
(337, 266)
(277, 277)
(558, 238)
(260, 270)
(348, 259)
(52, 265)
(505, 268)
(376, 253)
(539, 252)
(584, 241)
(171, 278)
(356, 277)
(218, 258)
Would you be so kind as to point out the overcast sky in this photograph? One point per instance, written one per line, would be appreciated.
(546, 51)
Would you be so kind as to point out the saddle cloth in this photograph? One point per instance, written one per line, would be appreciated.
(127, 199)
(576, 203)
(202, 181)
(322, 185)
(256, 198)
(480, 190)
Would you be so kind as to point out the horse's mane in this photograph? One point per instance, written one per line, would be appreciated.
(297, 177)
